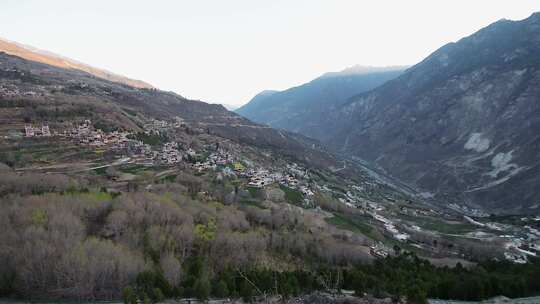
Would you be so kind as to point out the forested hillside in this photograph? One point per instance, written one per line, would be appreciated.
(93, 245)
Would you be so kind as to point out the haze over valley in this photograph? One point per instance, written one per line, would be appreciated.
(332, 153)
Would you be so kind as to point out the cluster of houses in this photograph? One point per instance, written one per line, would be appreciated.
(259, 178)
(220, 158)
(467, 210)
(297, 171)
(156, 126)
(85, 134)
(350, 200)
(203, 166)
(141, 151)
(306, 191)
(390, 227)
(14, 91)
(379, 251)
(289, 180)
(415, 211)
(170, 154)
(10, 91)
(524, 244)
(31, 131)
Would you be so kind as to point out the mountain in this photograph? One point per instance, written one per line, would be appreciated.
(82, 158)
(111, 192)
(463, 125)
(37, 55)
(301, 109)
(34, 92)
(229, 107)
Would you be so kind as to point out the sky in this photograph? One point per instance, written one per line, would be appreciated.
(228, 51)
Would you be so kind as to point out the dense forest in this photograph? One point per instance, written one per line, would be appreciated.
(403, 275)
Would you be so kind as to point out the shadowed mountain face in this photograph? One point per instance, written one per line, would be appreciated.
(45, 57)
(464, 124)
(301, 109)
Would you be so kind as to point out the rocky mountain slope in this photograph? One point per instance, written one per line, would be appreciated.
(301, 109)
(462, 125)
(34, 54)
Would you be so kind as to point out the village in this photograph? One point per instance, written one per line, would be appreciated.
(519, 242)
(125, 144)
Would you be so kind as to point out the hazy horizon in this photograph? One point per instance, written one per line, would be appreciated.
(228, 52)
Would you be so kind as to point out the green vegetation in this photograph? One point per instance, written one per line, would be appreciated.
(292, 196)
(150, 139)
(252, 202)
(101, 171)
(94, 196)
(201, 157)
(201, 283)
(254, 192)
(404, 275)
(105, 125)
(418, 279)
(130, 112)
(169, 178)
(181, 239)
(349, 223)
(133, 169)
(434, 224)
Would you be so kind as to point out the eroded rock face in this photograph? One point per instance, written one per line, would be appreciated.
(464, 124)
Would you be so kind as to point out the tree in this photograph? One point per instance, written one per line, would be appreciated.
(129, 296)
(146, 299)
(202, 288)
(221, 290)
(397, 250)
(246, 291)
(416, 295)
(171, 269)
(158, 295)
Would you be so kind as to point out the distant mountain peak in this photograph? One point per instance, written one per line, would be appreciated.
(267, 93)
(34, 54)
(362, 70)
(300, 108)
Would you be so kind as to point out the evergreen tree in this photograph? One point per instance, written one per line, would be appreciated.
(220, 289)
(129, 296)
(246, 291)
(202, 288)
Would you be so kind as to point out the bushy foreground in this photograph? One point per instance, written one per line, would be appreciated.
(147, 247)
(91, 245)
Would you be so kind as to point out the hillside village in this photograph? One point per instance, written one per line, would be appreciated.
(159, 145)
(408, 184)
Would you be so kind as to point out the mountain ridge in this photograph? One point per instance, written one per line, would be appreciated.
(299, 108)
(38, 55)
(460, 123)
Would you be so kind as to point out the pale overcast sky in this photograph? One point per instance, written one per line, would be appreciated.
(227, 51)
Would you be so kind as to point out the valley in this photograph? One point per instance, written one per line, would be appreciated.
(458, 127)
(369, 185)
